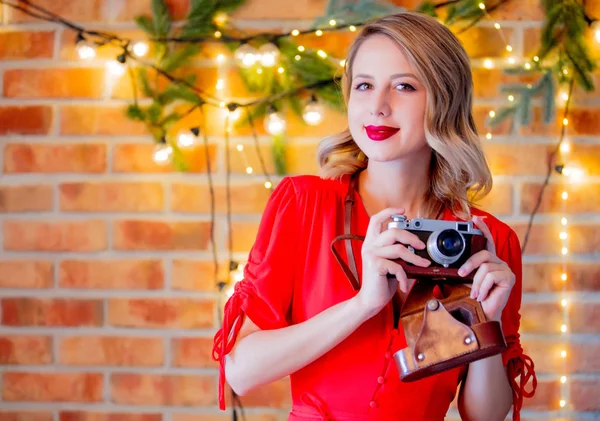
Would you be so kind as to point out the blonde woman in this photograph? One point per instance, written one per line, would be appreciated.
(412, 149)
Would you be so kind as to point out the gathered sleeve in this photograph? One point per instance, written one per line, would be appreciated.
(520, 367)
(264, 294)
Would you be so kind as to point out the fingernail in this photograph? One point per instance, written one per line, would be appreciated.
(462, 271)
(473, 294)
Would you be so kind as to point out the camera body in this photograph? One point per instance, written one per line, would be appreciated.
(448, 245)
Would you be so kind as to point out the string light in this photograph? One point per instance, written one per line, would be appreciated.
(86, 50)
(488, 63)
(163, 153)
(332, 22)
(322, 54)
(274, 122)
(269, 54)
(295, 33)
(352, 28)
(186, 139)
(313, 112)
(246, 56)
(140, 48)
(115, 69)
(319, 33)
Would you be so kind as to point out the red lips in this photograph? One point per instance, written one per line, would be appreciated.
(379, 133)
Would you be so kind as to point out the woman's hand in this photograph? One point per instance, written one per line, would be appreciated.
(380, 275)
(493, 280)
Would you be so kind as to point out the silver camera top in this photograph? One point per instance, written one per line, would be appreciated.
(422, 224)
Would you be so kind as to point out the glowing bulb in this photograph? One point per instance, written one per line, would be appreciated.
(511, 60)
(565, 71)
(563, 353)
(564, 195)
(497, 25)
(488, 136)
(246, 56)
(220, 19)
(511, 98)
(259, 71)
(563, 302)
(562, 403)
(140, 48)
(563, 277)
(322, 54)
(274, 123)
(186, 139)
(509, 48)
(536, 59)
(313, 113)
(488, 63)
(574, 173)
(240, 148)
(565, 96)
(269, 54)
(528, 66)
(297, 57)
(222, 104)
(86, 50)
(564, 251)
(249, 170)
(565, 146)
(565, 121)
(301, 48)
(352, 28)
(563, 221)
(482, 6)
(563, 379)
(218, 34)
(343, 63)
(319, 33)
(268, 184)
(115, 68)
(280, 70)
(492, 114)
(221, 58)
(563, 328)
(163, 153)
(295, 33)
(332, 22)
(220, 84)
(563, 235)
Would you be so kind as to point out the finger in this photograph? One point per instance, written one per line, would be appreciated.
(396, 270)
(378, 219)
(490, 280)
(395, 235)
(477, 260)
(486, 233)
(480, 275)
(399, 251)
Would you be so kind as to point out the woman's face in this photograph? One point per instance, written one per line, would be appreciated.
(386, 107)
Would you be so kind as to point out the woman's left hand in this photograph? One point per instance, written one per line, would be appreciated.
(493, 280)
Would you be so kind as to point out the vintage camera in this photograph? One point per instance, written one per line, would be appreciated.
(448, 244)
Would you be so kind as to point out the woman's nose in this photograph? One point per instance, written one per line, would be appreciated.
(381, 105)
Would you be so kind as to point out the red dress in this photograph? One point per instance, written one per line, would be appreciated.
(291, 276)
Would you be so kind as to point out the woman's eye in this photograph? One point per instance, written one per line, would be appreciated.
(362, 86)
(405, 87)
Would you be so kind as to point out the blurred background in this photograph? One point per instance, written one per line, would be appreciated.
(129, 128)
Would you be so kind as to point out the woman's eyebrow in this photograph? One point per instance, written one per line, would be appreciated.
(394, 76)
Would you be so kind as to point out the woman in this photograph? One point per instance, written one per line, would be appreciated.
(411, 148)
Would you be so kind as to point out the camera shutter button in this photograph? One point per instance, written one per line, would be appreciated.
(433, 305)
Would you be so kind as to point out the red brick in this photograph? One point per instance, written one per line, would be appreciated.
(52, 387)
(111, 197)
(487, 82)
(546, 277)
(584, 358)
(107, 416)
(273, 395)
(157, 235)
(582, 121)
(92, 120)
(194, 275)
(515, 159)
(481, 118)
(246, 198)
(519, 10)
(139, 389)
(193, 352)
(112, 274)
(69, 9)
(138, 158)
(19, 45)
(224, 417)
(499, 201)
(547, 397)
(546, 356)
(299, 158)
(129, 10)
(88, 235)
(21, 349)
(26, 198)
(51, 312)
(583, 239)
(483, 42)
(26, 416)
(584, 395)
(26, 119)
(541, 318)
(585, 318)
(26, 274)
(54, 158)
(244, 236)
(54, 83)
(111, 351)
(161, 312)
(583, 198)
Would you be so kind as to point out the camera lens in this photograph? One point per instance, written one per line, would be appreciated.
(450, 243)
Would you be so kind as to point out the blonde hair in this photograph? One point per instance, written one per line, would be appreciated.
(459, 173)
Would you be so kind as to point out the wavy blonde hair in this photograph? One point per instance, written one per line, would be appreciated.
(459, 173)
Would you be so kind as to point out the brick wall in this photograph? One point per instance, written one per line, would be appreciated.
(106, 298)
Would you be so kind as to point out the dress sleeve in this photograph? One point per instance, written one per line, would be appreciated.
(265, 292)
(520, 367)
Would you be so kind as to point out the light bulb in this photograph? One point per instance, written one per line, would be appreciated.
(563, 302)
(562, 403)
(596, 29)
(563, 235)
(492, 114)
(564, 195)
(313, 112)
(565, 146)
(322, 54)
(86, 50)
(240, 148)
(274, 123)
(140, 48)
(220, 85)
(563, 328)
(269, 54)
(221, 58)
(295, 32)
(564, 251)
(163, 153)
(268, 184)
(249, 170)
(563, 379)
(563, 353)
(319, 33)
(332, 22)
(563, 221)
(488, 136)
(352, 28)
(573, 172)
(246, 56)
(563, 277)
(186, 139)
(115, 68)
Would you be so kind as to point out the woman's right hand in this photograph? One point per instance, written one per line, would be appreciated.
(380, 275)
